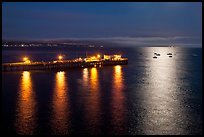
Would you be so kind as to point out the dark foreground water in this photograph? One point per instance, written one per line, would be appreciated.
(147, 96)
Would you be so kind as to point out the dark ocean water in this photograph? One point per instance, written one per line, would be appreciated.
(147, 96)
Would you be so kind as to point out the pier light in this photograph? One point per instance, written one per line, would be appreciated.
(25, 58)
(98, 56)
(107, 57)
(60, 57)
(117, 57)
(27, 61)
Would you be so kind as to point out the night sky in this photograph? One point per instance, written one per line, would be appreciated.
(121, 22)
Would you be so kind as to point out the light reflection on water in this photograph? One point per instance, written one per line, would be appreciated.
(92, 102)
(26, 106)
(162, 103)
(148, 96)
(94, 80)
(60, 104)
(118, 102)
(85, 77)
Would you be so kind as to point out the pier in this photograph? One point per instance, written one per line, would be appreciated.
(94, 61)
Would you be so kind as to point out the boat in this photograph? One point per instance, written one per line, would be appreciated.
(154, 57)
(169, 53)
(170, 56)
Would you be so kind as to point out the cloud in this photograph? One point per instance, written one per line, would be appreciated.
(180, 41)
(149, 41)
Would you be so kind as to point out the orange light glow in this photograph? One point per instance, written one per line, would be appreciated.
(118, 98)
(118, 77)
(26, 106)
(93, 108)
(27, 61)
(60, 57)
(117, 57)
(93, 58)
(60, 104)
(25, 58)
(85, 77)
(94, 79)
(98, 56)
